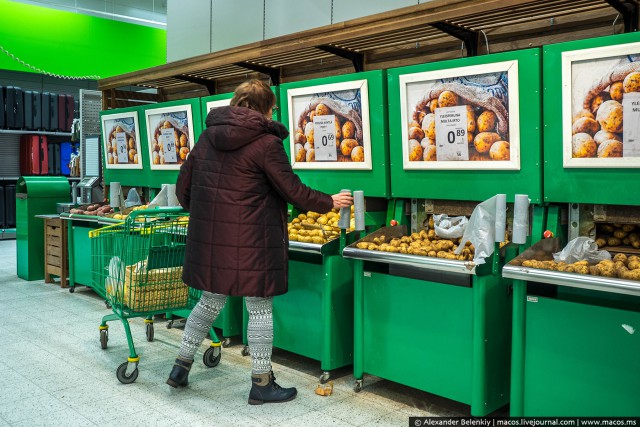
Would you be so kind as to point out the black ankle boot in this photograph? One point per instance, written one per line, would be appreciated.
(265, 390)
(179, 376)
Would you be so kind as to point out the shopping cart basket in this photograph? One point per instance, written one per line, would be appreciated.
(137, 268)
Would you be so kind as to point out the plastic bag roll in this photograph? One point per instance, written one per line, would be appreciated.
(345, 214)
(74, 193)
(520, 219)
(501, 217)
(172, 199)
(359, 209)
(115, 195)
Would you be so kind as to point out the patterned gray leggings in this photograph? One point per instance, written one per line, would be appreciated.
(259, 329)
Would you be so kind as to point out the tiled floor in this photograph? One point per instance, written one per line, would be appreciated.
(53, 372)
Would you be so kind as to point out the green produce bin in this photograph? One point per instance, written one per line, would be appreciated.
(35, 195)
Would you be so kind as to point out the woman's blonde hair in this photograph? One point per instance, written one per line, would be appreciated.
(254, 94)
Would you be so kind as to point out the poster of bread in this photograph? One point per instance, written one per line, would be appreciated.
(461, 118)
(601, 107)
(170, 136)
(329, 126)
(121, 141)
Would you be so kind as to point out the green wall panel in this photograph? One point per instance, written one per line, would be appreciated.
(581, 360)
(374, 182)
(581, 185)
(74, 44)
(474, 184)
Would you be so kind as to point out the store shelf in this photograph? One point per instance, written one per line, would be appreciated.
(7, 233)
(34, 132)
(423, 33)
(9, 178)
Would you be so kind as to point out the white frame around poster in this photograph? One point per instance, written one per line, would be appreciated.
(217, 103)
(105, 140)
(150, 130)
(567, 60)
(362, 85)
(511, 67)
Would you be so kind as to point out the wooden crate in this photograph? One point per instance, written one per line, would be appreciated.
(55, 251)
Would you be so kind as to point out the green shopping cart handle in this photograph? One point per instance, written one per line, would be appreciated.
(156, 211)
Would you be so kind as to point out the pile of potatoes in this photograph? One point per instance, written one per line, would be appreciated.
(617, 235)
(424, 243)
(181, 140)
(597, 128)
(93, 210)
(487, 130)
(349, 145)
(112, 147)
(123, 216)
(621, 266)
(312, 227)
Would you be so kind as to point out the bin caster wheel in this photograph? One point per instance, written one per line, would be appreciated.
(170, 324)
(212, 357)
(104, 337)
(357, 387)
(72, 289)
(122, 375)
(324, 377)
(226, 342)
(149, 332)
(245, 350)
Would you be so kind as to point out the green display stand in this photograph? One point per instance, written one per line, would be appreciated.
(35, 195)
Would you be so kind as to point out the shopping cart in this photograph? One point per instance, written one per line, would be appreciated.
(137, 268)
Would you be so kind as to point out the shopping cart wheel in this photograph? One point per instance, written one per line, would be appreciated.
(104, 337)
(226, 342)
(245, 350)
(72, 289)
(357, 387)
(170, 324)
(324, 377)
(107, 304)
(149, 332)
(121, 373)
(212, 357)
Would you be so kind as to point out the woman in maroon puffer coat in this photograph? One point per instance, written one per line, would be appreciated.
(236, 184)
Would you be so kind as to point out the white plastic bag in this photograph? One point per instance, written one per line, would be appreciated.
(133, 199)
(581, 249)
(449, 228)
(161, 198)
(481, 231)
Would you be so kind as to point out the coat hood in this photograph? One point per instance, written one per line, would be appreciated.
(229, 128)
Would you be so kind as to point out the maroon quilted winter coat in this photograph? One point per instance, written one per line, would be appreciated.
(236, 183)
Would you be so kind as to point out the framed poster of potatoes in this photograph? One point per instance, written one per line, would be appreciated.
(601, 107)
(121, 141)
(329, 126)
(170, 136)
(461, 118)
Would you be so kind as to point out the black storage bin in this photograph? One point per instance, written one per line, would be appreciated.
(10, 205)
(32, 110)
(14, 107)
(2, 208)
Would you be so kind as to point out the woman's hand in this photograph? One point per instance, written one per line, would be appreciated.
(342, 200)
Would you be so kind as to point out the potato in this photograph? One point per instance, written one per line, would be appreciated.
(348, 130)
(499, 151)
(338, 131)
(603, 135)
(347, 145)
(415, 153)
(110, 158)
(115, 159)
(585, 125)
(132, 154)
(613, 241)
(167, 125)
(471, 120)
(131, 143)
(583, 113)
(619, 234)
(300, 153)
(429, 126)
(477, 157)
(308, 146)
(427, 142)
(136, 159)
(415, 124)
(610, 148)
(447, 99)
(610, 116)
(583, 146)
(357, 154)
(486, 121)
(631, 83)
(433, 104)
(598, 100)
(416, 133)
(311, 155)
(429, 154)
(484, 140)
(616, 90)
(322, 110)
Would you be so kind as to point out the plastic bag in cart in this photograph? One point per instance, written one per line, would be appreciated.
(449, 228)
(581, 249)
(114, 282)
(480, 231)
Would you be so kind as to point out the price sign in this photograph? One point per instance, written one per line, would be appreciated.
(168, 142)
(121, 145)
(324, 137)
(451, 133)
(631, 123)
